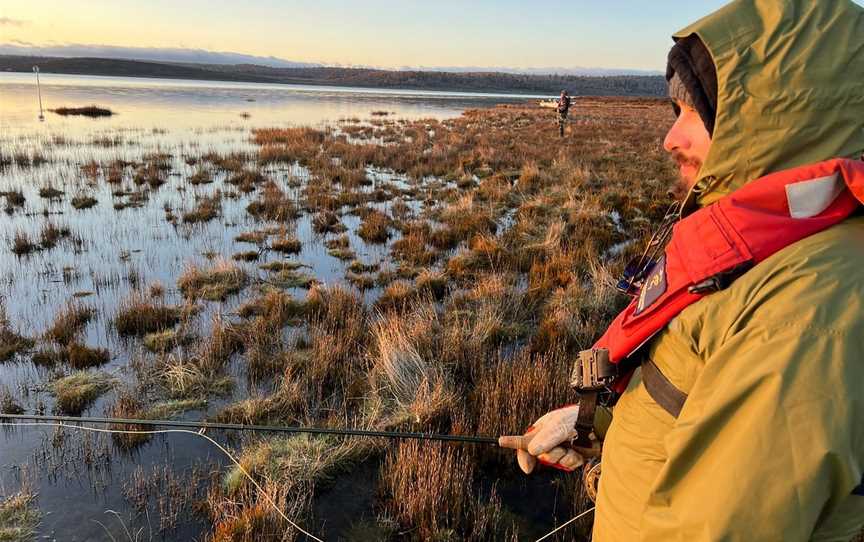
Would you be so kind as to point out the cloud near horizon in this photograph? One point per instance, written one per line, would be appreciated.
(203, 56)
(160, 54)
(8, 21)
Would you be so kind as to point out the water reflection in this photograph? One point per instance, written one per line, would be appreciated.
(168, 103)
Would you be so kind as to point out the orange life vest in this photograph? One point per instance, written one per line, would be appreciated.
(714, 244)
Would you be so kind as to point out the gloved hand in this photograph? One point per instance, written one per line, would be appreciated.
(543, 439)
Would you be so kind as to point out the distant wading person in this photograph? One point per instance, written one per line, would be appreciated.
(738, 367)
(563, 110)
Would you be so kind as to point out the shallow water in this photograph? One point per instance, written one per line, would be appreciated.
(80, 477)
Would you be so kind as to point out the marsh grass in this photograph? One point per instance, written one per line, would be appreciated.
(206, 208)
(19, 517)
(83, 201)
(85, 357)
(11, 342)
(286, 244)
(139, 314)
(14, 198)
(190, 378)
(8, 405)
(430, 486)
(69, 322)
(128, 405)
(49, 192)
(167, 339)
(375, 227)
(22, 245)
(416, 382)
(273, 204)
(214, 283)
(275, 306)
(505, 244)
(51, 234)
(299, 461)
(77, 391)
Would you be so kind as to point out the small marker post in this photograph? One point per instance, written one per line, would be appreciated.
(39, 92)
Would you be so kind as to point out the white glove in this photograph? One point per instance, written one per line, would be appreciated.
(543, 439)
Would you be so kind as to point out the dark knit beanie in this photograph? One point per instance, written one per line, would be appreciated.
(691, 66)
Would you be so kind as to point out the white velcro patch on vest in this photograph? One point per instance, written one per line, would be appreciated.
(809, 198)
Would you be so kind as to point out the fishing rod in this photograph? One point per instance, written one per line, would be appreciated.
(185, 426)
(203, 425)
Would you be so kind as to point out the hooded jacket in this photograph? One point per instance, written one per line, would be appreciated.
(770, 442)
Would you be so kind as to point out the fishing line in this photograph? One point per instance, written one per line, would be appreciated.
(547, 535)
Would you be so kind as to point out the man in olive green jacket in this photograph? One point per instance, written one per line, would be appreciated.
(769, 443)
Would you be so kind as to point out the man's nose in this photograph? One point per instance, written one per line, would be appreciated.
(676, 138)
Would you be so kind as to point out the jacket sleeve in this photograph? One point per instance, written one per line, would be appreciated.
(769, 441)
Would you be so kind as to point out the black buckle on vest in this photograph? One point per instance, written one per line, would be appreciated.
(593, 371)
(720, 281)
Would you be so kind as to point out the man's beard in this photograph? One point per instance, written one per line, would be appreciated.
(682, 185)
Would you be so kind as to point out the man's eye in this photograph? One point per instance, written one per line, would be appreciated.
(676, 109)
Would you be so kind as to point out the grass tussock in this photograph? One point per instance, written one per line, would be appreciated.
(69, 322)
(139, 314)
(14, 198)
(375, 227)
(167, 340)
(8, 404)
(51, 234)
(84, 202)
(22, 245)
(273, 204)
(128, 405)
(430, 489)
(77, 391)
(207, 208)
(300, 460)
(11, 342)
(286, 244)
(19, 517)
(275, 306)
(85, 357)
(215, 283)
(404, 372)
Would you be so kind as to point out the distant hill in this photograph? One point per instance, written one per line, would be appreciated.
(613, 85)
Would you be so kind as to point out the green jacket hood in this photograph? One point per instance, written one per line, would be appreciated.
(790, 88)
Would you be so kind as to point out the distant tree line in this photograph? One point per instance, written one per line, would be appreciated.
(618, 85)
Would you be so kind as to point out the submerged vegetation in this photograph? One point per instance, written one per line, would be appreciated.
(19, 517)
(387, 274)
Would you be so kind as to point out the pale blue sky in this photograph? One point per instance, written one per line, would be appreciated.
(388, 33)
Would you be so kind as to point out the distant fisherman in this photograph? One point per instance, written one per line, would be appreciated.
(735, 374)
(563, 109)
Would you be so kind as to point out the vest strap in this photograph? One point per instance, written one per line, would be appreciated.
(664, 393)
